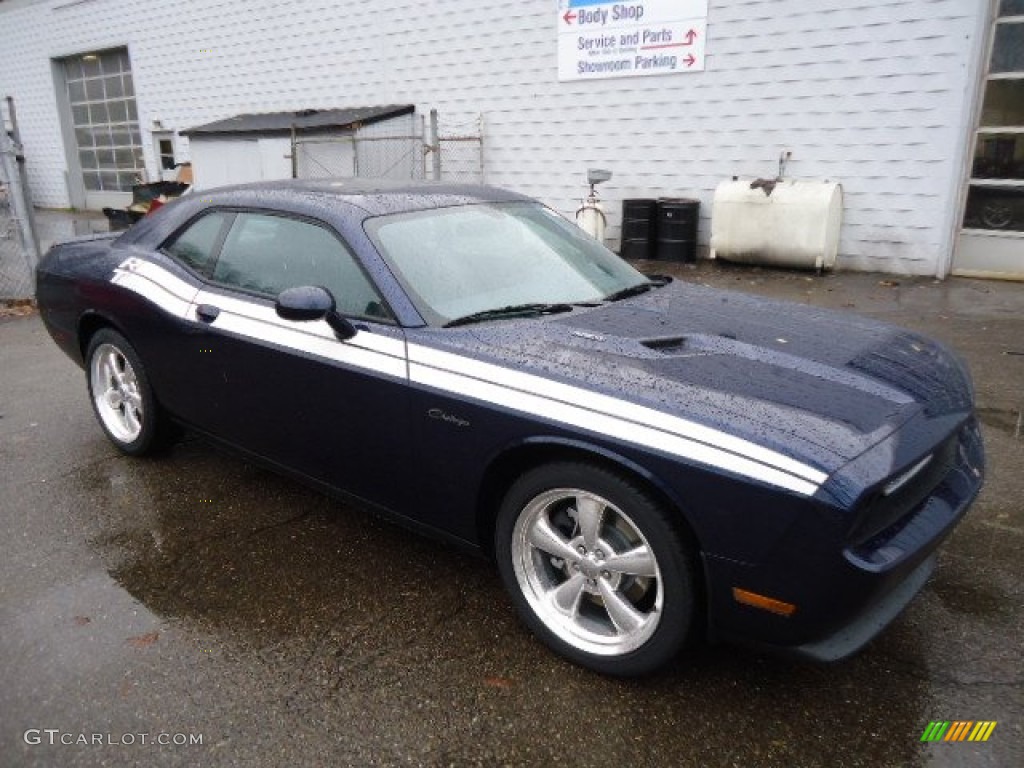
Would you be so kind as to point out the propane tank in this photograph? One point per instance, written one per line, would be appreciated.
(590, 217)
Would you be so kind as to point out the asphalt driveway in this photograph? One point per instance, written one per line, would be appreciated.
(146, 601)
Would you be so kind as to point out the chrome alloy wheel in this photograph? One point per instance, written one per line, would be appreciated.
(115, 389)
(587, 571)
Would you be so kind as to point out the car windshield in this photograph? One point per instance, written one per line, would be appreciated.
(460, 261)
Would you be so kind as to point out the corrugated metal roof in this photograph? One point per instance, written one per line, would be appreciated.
(304, 120)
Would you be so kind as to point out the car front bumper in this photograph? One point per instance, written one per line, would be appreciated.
(845, 596)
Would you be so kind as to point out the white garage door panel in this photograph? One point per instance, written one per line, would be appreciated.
(990, 254)
(275, 158)
(219, 162)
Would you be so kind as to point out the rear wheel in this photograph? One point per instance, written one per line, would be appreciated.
(595, 568)
(121, 395)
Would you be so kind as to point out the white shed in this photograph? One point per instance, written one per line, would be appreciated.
(256, 147)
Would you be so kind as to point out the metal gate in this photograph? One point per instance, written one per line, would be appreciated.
(19, 251)
(352, 155)
(457, 150)
(451, 153)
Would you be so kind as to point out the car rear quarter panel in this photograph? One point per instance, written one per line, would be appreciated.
(77, 296)
(72, 283)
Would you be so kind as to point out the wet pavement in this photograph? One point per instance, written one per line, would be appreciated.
(195, 594)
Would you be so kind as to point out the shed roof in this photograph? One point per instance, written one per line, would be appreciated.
(270, 123)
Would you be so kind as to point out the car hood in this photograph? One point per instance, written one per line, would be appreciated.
(818, 385)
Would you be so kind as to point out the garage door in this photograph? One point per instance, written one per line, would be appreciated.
(101, 96)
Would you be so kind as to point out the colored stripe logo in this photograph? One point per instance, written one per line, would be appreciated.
(958, 730)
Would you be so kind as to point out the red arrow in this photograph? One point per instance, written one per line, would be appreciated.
(690, 37)
(689, 60)
(569, 17)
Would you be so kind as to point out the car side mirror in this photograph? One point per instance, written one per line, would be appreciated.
(311, 302)
(306, 302)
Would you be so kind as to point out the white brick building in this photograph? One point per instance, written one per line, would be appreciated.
(884, 96)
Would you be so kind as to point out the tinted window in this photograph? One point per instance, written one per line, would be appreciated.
(195, 246)
(267, 254)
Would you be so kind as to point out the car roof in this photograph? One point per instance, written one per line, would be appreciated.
(375, 196)
(318, 197)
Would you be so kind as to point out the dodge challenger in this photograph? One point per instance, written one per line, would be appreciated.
(647, 461)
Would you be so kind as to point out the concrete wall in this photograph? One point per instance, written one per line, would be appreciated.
(873, 93)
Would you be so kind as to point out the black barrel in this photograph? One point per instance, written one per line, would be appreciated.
(677, 229)
(638, 223)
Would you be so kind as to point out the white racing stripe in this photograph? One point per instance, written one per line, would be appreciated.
(159, 276)
(605, 424)
(369, 351)
(158, 285)
(457, 374)
(176, 297)
(425, 358)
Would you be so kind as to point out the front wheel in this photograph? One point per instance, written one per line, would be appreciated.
(121, 395)
(595, 568)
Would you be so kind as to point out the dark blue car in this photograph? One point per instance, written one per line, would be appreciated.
(646, 460)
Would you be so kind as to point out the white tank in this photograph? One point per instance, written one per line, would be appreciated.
(592, 220)
(787, 223)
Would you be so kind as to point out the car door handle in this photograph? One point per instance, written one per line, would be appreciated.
(207, 312)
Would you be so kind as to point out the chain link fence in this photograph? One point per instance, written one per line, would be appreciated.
(323, 157)
(460, 148)
(372, 157)
(389, 151)
(18, 244)
(389, 157)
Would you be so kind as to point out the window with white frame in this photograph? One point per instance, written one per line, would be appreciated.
(105, 120)
(995, 197)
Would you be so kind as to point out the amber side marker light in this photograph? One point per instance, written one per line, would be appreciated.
(769, 604)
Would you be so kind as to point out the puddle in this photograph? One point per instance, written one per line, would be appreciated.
(1008, 421)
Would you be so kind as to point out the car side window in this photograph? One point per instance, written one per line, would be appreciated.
(196, 245)
(266, 254)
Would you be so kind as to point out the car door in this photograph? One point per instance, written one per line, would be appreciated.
(292, 392)
(171, 342)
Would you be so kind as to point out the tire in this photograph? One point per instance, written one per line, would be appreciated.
(611, 588)
(996, 215)
(121, 396)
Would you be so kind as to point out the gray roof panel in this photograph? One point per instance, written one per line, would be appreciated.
(304, 121)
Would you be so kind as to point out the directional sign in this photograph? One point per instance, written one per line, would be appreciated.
(599, 39)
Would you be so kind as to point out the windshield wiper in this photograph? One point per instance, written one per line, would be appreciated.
(655, 281)
(512, 310)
